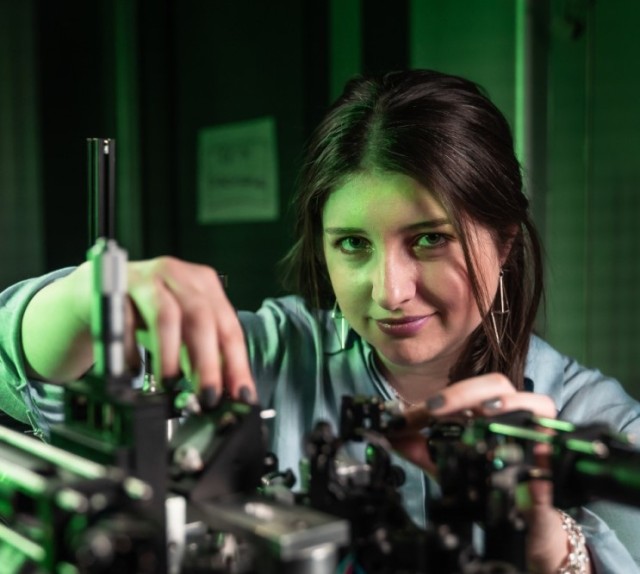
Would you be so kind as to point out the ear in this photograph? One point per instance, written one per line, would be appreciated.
(507, 240)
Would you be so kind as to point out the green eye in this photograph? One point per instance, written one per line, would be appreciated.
(431, 240)
(352, 244)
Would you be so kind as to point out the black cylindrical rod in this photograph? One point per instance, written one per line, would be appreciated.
(101, 161)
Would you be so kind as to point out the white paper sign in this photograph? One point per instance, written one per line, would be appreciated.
(238, 172)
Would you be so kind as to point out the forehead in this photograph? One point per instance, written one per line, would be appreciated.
(381, 197)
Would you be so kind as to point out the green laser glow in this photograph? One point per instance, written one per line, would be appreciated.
(137, 488)
(71, 500)
(29, 549)
(585, 446)
(620, 474)
(22, 479)
(517, 432)
(57, 456)
(555, 424)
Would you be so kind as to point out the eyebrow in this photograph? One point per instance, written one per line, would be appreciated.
(430, 224)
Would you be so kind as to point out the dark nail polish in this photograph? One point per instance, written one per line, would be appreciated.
(208, 397)
(436, 402)
(245, 395)
(492, 404)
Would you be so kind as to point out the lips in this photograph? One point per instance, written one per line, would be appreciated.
(404, 327)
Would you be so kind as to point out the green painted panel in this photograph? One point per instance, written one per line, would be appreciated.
(470, 38)
(345, 43)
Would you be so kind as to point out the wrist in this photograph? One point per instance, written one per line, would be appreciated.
(556, 544)
(577, 560)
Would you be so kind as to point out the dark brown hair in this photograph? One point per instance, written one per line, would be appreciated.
(442, 131)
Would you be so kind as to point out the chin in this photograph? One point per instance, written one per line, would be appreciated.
(409, 357)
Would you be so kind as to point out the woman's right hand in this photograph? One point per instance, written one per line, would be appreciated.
(171, 305)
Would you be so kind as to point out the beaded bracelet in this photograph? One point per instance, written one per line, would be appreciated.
(577, 561)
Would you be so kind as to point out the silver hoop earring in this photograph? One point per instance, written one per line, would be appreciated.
(500, 309)
(341, 326)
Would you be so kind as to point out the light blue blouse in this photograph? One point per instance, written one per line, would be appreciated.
(302, 373)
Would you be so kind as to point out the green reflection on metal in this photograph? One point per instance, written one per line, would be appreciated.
(29, 549)
(555, 424)
(584, 446)
(71, 500)
(69, 461)
(518, 432)
(623, 475)
(18, 478)
(370, 453)
(137, 488)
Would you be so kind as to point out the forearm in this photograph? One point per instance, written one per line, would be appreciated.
(56, 334)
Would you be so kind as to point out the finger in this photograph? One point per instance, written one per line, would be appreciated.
(486, 395)
(236, 370)
(470, 393)
(539, 405)
(200, 336)
(211, 332)
(191, 292)
(131, 352)
(457, 398)
(161, 317)
(541, 491)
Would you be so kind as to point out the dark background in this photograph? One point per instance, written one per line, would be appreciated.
(151, 74)
(196, 64)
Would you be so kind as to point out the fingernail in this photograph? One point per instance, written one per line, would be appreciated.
(245, 395)
(208, 397)
(436, 402)
(492, 404)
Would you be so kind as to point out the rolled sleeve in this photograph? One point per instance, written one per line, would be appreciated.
(16, 398)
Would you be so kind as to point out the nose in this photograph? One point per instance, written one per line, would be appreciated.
(393, 280)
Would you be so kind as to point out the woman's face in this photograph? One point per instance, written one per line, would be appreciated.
(398, 270)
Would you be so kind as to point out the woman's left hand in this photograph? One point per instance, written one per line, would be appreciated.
(485, 396)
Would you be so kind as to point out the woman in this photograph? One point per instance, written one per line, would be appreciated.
(419, 276)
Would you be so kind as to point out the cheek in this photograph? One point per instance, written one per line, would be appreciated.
(447, 284)
(337, 276)
(348, 285)
(331, 269)
(350, 290)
